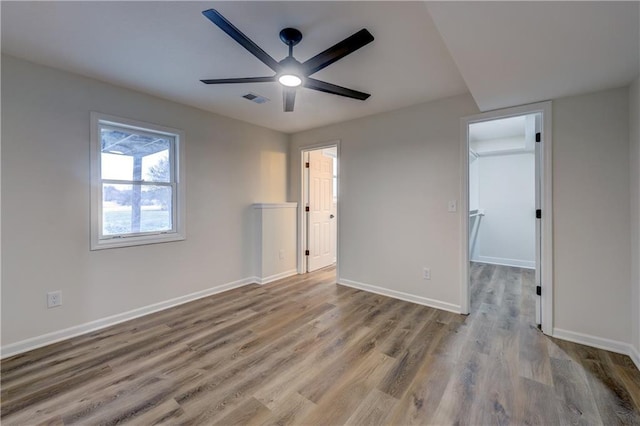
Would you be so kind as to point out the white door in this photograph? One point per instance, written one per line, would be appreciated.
(538, 213)
(321, 237)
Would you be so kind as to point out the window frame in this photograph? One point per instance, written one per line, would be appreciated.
(176, 181)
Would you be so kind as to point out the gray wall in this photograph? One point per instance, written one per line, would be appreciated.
(592, 266)
(507, 192)
(634, 140)
(399, 169)
(45, 211)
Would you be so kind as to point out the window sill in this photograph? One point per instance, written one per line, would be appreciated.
(140, 240)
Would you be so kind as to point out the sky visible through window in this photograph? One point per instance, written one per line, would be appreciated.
(120, 167)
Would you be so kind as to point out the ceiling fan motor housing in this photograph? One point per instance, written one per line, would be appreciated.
(290, 36)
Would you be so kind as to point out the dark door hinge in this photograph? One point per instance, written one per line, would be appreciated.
(538, 137)
(306, 252)
(539, 290)
(538, 214)
(306, 209)
(306, 165)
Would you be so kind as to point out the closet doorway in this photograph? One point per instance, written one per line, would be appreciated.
(507, 235)
(320, 207)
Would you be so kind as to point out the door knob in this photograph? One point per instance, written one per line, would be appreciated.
(331, 216)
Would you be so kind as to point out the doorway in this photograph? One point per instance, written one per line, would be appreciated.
(507, 206)
(320, 207)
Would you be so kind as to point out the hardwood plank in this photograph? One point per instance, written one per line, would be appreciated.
(91, 396)
(631, 379)
(144, 397)
(620, 360)
(250, 412)
(327, 347)
(614, 402)
(481, 281)
(408, 327)
(374, 410)
(400, 376)
(499, 381)
(238, 370)
(537, 404)
(461, 392)
(168, 412)
(54, 421)
(304, 350)
(323, 380)
(336, 405)
(533, 357)
(576, 403)
(242, 377)
(33, 395)
(425, 393)
(291, 409)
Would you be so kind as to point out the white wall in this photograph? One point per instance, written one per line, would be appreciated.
(45, 211)
(398, 170)
(499, 145)
(474, 183)
(506, 234)
(591, 215)
(634, 138)
(474, 204)
(276, 245)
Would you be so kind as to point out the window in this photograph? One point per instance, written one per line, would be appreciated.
(137, 192)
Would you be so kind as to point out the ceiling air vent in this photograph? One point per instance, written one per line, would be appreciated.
(256, 98)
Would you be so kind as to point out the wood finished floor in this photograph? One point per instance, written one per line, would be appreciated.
(307, 351)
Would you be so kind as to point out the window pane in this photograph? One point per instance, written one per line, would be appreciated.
(117, 166)
(131, 155)
(136, 208)
(156, 167)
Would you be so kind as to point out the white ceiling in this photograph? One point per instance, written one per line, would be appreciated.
(514, 53)
(509, 53)
(498, 129)
(165, 48)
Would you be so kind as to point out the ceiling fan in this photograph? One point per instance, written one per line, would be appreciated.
(289, 72)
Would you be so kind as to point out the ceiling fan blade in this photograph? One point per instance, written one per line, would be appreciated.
(338, 51)
(322, 86)
(239, 80)
(289, 96)
(226, 26)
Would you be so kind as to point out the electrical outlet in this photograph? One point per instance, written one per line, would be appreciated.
(281, 254)
(54, 298)
(426, 273)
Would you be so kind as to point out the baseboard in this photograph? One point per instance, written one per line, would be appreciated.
(600, 343)
(67, 333)
(527, 264)
(635, 356)
(276, 277)
(400, 295)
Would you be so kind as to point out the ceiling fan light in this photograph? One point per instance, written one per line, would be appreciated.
(290, 80)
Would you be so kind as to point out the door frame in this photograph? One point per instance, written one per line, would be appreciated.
(546, 187)
(302, 216)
